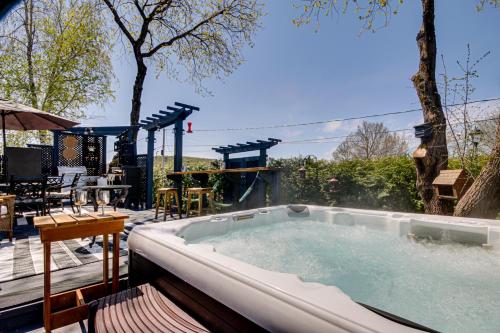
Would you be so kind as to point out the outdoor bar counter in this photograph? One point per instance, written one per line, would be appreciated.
(236, 182)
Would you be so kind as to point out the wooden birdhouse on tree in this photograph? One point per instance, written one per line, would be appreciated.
(451, 184)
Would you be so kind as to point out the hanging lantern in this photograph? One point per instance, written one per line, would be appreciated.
(333, 184)
(302, 172)
(475, 135)
(190, 130)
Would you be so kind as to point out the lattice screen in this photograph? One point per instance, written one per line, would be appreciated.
(78, 150)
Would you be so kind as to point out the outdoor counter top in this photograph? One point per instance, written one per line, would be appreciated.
(218, 171)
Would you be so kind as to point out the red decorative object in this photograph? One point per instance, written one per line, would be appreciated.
(190, 130)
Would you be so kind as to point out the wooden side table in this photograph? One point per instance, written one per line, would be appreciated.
(72, 306)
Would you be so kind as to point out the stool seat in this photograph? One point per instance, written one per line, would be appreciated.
(168, 193)
(199, 191)
(166, 189)
(140, 309)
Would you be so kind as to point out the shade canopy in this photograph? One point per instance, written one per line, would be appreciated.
(22, 117)
(15, 116)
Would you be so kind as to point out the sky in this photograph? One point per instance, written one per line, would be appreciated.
(296, 75)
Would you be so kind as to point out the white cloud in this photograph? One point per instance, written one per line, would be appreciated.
(332, 127)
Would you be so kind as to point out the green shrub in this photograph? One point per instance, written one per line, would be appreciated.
(386, 183)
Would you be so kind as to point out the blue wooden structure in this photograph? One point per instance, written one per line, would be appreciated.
(238, 184)
(174, 116)
(93, 132)
(246, 162)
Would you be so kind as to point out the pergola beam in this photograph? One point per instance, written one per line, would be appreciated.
(249, 146)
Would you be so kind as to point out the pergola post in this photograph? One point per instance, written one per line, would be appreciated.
(175, 116)
(149, 168)
(179, 132)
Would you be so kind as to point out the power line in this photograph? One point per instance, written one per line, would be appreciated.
(323, 139)
(334, 120)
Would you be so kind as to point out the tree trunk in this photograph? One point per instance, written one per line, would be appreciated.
(135, 113)
(483, 197)
(424, 81)
(29, 27)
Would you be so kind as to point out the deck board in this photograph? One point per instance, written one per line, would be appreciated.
(30, 288)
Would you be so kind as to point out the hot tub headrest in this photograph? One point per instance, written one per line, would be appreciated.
(297, 211)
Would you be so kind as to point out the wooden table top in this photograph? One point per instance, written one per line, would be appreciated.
(219, 171)
(64, 220)
(104, 187)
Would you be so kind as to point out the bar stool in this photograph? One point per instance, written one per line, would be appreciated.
(169, 193)
(199, 192)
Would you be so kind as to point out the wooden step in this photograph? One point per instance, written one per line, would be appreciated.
(140, 309)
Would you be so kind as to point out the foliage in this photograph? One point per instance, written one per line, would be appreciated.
(203, 38)
(191, 163)
(54, 56)
(374, 13)
(463, 118)
(386, 183)
(423, 80)
(371, 140)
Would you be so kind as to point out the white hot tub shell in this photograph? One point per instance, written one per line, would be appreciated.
(282, 302)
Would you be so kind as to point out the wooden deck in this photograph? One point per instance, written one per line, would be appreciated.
(28, 289)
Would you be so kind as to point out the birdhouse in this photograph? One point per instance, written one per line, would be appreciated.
(423, 132)
(451, 184)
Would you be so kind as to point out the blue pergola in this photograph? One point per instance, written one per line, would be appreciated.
(174, 116)
(261, 145)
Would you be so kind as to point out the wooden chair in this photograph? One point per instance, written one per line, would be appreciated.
(198, 192)
(168, 193)
(7, 214)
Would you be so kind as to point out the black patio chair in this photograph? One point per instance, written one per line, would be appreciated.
(30, 193)
(57, 193)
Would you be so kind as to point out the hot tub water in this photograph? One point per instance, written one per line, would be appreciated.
(447, 286)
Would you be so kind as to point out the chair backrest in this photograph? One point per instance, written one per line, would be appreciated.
(28, 187)
(55, 181)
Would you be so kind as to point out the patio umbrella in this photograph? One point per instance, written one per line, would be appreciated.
(20, 117)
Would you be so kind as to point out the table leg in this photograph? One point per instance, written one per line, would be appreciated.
(116, 253)
(46, 286)
(93, 197)
(105, 258)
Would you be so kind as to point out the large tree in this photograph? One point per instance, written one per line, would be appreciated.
(483, 197)
(54, 56)
(369, 141)
(204, 37)
(435, 158)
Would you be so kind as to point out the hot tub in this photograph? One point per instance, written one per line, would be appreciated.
(322, 269)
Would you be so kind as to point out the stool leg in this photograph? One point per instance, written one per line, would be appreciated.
(179, 208)
(171, 203)
(157, 204)
(211, 202)
(166, 205)
(200, 203)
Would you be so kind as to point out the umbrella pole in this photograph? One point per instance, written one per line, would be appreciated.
(3, 133)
